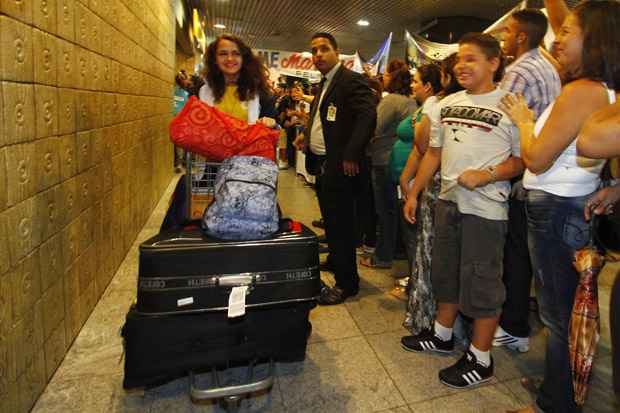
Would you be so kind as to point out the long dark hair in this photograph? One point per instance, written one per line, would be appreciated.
(252, 78)
(431, 73)
(447, 67)
(600, 57)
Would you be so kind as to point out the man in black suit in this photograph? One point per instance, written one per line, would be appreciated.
(342, 120)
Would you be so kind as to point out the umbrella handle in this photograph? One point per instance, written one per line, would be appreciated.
(593, 221)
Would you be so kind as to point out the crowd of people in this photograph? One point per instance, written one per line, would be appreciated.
(487, 164)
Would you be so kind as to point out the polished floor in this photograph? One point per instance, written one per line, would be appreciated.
(354, 360)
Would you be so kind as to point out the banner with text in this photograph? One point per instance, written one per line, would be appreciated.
(299, 64)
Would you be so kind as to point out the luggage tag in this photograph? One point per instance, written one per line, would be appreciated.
(331, 112)
(236, 301)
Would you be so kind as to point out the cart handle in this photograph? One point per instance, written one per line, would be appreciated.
(241, 389)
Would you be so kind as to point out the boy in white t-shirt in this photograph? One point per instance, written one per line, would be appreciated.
(477, 146)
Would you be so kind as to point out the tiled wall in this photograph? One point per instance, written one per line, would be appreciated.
(86, 90)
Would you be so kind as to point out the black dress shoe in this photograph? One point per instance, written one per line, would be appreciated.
(319, 223)
(335, 295)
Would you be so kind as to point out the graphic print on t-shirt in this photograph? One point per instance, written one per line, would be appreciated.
(458, 118)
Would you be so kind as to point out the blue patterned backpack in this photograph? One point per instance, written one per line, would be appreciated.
(245, 206)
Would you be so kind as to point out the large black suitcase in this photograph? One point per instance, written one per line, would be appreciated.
(161, 348)
(185, 271)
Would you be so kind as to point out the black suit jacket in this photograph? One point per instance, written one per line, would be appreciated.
(356, 116)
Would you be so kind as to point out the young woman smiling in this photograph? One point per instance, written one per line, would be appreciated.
(236, 82)
(559, 181)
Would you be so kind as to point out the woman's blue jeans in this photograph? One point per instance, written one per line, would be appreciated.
(386, 205)
(556, 229)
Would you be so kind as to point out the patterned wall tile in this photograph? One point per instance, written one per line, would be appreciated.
(22, 236)
(68, 156)
(95, 109)
(46, 105)
(3, 181)
(19, 121)
(86, 233)
(6, 356)
(97, 182)
(6, 307)
(50, 257)
(82, 62)
(32, 382)
(47, 162)
(56, 345)
(85, 118)
(48, 214)
(69, 202)
(53, 300)
(88, 300)
(86, 269)
(20, 168)
(94, 26)
(65, 15)
(84, 191)
(69, 241)
(16, 51)
(44, 15)
(26, 290)
(45, 58)
(66, 111)
(82, 32)
(67, 67)
(84, 146)
(20, 9)
(72, 304)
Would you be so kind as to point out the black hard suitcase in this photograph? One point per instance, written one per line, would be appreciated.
(161, 348)
(185, 271)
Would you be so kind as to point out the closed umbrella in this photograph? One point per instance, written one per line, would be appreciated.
(584, 325)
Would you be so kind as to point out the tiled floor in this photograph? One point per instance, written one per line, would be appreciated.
(354, 362)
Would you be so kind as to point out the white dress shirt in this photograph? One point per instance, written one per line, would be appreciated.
(317, 140)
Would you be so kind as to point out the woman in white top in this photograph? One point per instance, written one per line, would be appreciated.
(559, 181)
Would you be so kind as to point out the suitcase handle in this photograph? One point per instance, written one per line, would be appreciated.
(231, 391)
(242, 279)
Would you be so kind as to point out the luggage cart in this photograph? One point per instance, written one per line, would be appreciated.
(231, 396)
(200, 179)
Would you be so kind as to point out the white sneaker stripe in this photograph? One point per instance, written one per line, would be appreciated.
(467, 379)
(473, 378)
(475, 373)
(506, 340)
(428, 345)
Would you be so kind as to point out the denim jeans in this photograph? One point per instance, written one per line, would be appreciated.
(556, 229)
(386, 204)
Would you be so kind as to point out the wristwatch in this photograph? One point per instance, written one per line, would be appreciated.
(491, 170)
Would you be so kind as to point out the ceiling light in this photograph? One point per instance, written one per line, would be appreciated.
(219, 26)
(363, 22)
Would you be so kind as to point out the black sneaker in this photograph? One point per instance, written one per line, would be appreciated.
(427, 340)
(467, 372)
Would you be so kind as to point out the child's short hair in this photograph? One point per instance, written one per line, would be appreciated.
(490, 47)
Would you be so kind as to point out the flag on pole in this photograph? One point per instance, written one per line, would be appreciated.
(379, 61)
